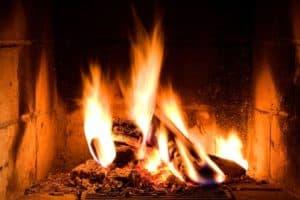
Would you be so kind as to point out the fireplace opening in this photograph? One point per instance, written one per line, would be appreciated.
(144, 100)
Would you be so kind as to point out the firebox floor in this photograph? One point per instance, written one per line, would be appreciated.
(250, 191)
(259, 191)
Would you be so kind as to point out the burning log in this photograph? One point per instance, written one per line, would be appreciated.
(125, 155)
(205, 170)
(230, 168)
(173, 129)
(126, 133)
(128, 139)
(126, 176)
(125, 140)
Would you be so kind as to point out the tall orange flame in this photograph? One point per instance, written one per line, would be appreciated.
(147, 54)
(97, 117)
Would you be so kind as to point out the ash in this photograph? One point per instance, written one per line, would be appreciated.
(126, 176)
(114, 181)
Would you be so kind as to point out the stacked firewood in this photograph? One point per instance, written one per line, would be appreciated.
(128, 139)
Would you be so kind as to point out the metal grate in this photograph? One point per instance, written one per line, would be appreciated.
(201, 194)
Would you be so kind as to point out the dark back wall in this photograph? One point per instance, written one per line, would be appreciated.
(207, 44)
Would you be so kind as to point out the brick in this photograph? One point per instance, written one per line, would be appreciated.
(7, 136)
(9, 95)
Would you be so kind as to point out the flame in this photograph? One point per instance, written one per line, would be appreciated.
(153, 161)
(97, 118)
(140, 98)
(157, 157)
(231, 148)
(162, 138)
(147, 54)
(189, 166)
(170, 105)
(169, 102)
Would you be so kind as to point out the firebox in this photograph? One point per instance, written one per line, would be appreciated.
(149, 100)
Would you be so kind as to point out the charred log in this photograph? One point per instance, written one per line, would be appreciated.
(230, 168)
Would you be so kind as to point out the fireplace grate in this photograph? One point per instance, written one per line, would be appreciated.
(203, 194)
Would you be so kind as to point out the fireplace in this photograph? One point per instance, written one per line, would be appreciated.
(144, 100)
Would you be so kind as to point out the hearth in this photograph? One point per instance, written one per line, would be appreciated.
(149, 100)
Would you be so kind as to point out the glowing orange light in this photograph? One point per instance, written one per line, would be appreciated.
(231, 148)
(164, 152)
(170, 104)
(147, 54)
(153, 161)
(141, 100)
(97, 119)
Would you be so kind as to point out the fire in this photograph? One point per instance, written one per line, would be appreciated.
(189, 166)
(97, 118)
(153, 161)
(172, 149)
(158, 161)
(162, 138)
(147, 54)
(231, 148)
(170, 104)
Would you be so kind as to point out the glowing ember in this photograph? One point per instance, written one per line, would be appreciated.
(97, 119)
(231, 148)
